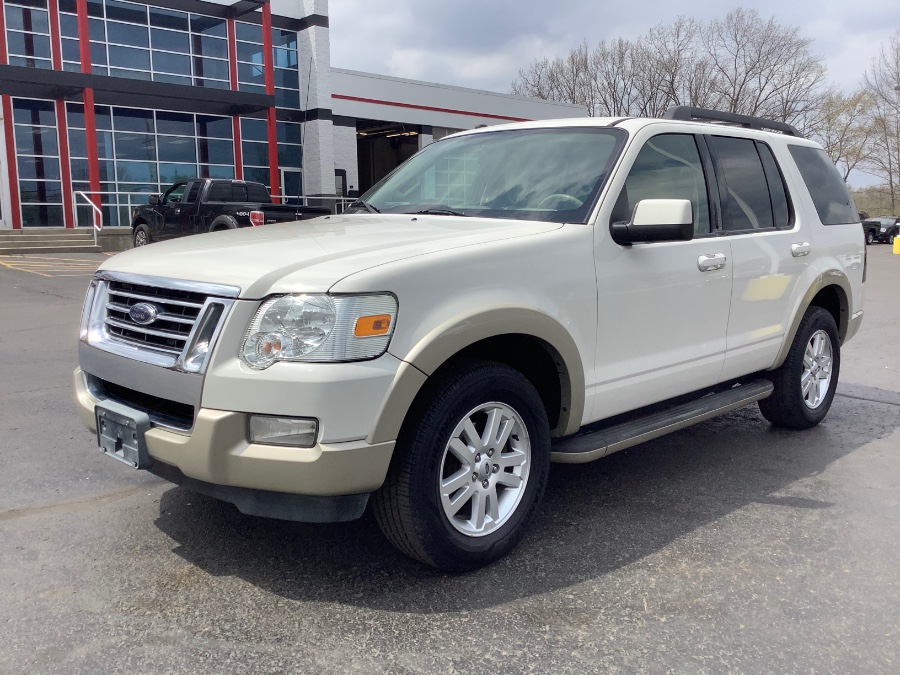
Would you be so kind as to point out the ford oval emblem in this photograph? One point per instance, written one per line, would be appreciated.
(143, 313)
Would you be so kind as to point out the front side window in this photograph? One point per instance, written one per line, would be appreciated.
(552, 175)
(829, 193)
(667, 167)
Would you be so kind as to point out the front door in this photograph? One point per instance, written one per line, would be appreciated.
(662, 307)
(169, 210)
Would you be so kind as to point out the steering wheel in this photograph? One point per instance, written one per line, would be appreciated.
(561, 199)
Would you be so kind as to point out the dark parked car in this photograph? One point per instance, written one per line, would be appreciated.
(871, 229)
(206, 205)
(888, 229)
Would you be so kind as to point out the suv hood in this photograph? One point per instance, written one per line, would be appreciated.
(310, 256)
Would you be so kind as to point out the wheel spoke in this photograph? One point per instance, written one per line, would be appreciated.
(512, 458)
(461, 451)
(471, 434)
(452, 506)
(806, 385)
(478, 508)
(509, 479)
(460, 479)
(493, 506)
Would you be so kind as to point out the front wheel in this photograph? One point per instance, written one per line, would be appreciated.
(141, 236)
(891, 238)
(470, 470)
(806, 382)
(870, 237)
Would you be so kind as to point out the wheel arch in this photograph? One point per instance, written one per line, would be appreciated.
(223, 222)
(529, 341)
(830, 292)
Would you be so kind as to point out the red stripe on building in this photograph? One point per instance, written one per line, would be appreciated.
(11, 165)
(55, 48)
(238, 152)
(3, 58)
(415, 106)
(65, 167)
(84, 37)
(232, 55)
(271, 127)
(90, 121)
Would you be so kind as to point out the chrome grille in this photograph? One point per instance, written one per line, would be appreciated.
(177, 312)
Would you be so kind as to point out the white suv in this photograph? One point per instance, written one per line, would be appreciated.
(495, 304)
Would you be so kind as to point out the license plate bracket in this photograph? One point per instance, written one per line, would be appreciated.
(121, 433)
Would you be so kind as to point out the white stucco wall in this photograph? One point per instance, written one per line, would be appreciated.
(345, 154)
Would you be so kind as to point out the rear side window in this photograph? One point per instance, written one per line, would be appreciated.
(744, 191)
(220, 191)
(257, 193)
(829, 194)
(781, 210)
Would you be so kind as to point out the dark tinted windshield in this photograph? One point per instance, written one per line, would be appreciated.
(553, 175)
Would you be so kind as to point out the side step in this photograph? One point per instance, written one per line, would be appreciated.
(586, 446)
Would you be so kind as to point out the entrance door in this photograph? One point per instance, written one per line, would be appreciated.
(291, 186)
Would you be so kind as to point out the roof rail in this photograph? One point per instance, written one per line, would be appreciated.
(686, 112)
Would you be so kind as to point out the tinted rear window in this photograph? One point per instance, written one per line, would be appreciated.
(257, 193)
(829, 194)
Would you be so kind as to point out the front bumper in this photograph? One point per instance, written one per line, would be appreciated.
(216, 455)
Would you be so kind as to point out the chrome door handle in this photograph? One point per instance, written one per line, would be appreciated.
(709, 262)
(801, 249)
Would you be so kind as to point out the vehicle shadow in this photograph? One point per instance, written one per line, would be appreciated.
(595, 518)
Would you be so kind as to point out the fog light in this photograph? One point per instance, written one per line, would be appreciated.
(298, 432)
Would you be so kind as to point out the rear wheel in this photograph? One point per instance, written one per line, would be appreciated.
(141, 235)
(470, 470)
(806, 382)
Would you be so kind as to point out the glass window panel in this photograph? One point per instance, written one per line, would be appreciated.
(210, 68)
(42, 191)
(208, 25)
(220, 192)
(98, 54)
(167, 18)
(95, 8)
(126, 11)
(257, 175)
(26, 44)
(37, 4)
(84, 216)
(79, 169)
(105, 145)
(250, 52)
(68, 25)
(26, 111)
(257, 193)
(249, 32)
(129, 57)
(103, 116)
(251, 73)
(289, 132)
(252, 88)
(829, 193)
(172, 173)
(287, 79)
(130, 74)
(289, 155)
(142, 172)
(70, 6)
(170, 40)
(745, 201)
(780, 208)
(42, 216)
(97, 30)
(210, 46)
(211, 84)
(135, 146)
(215, 127)
(22, 18)
(216, 152)
(72, 67)
(36, 141)
(107, 169)
(127, 34)
(181, 124)
(75, 115)
(214, 171)
(255, 153)
(284, 38)
(176, 149)
(287, 98)
(131, 119)
(143, 188)
(30, 62)
(77, 143)
(71, 51)
(193, 192)
(172, 79)
(38, 168)
(254, 130)
(179, 64)
(285, 58)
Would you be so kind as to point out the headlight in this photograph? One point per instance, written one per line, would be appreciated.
(319, 328)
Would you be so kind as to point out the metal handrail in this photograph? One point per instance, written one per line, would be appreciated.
(98, 211)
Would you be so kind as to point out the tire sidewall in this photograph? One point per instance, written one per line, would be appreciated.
(818, 319)
(482, 385)
(141, 229)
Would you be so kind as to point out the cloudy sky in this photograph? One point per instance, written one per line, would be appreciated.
(483, 43)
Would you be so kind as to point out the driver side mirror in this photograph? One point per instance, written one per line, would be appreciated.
(656, 220)
(154, 199)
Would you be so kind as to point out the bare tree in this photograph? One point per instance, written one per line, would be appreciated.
(883, 84)
(844, 128)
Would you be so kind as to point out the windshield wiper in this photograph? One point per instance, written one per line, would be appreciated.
(366, 205)
(440, 212)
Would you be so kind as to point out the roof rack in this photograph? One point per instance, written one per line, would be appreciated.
(686, 112)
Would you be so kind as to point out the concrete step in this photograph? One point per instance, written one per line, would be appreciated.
(32, 241)
(38, 248)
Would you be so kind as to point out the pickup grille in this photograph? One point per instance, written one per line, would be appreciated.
(177, 312)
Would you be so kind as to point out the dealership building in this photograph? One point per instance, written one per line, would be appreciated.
(109, 101)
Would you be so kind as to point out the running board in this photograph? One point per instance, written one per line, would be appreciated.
(586, 446)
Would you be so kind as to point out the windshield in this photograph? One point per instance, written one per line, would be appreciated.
(552, 175)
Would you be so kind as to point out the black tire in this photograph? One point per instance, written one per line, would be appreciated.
(223, 223)
(409, 507)
(891, 239)
(141, 236)
(870, 237)
(788, 406)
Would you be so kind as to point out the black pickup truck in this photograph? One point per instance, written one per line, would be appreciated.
(206, 205)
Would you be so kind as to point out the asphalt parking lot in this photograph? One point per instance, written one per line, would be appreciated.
(726, 547)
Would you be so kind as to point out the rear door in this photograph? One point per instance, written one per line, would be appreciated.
(769, 251)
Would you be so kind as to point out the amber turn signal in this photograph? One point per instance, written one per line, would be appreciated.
(370, 326)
